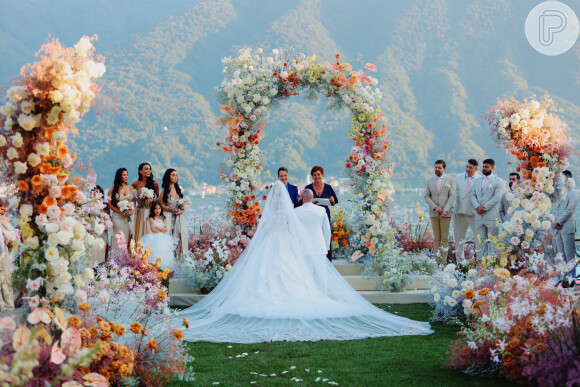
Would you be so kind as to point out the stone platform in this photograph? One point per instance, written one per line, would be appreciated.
(416, 292)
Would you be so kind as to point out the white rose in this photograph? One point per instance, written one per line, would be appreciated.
(99, 228)
(17, 140)
(32, 243)
(64, 237)
(51, 254)
(59, 136)
(26, 210)
(43, 149)
(2, 141)
(20, 168)
(26, 121)
(51, 228)
(12, 153)
(34, 160)
(452, 283)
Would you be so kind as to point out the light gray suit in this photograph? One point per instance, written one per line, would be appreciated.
(504, 206)
(464, 214)
(486, 223)
(564, 238)
(315, 221)
(444, 198)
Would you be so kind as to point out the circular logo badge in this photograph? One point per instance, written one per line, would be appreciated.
(552, 28)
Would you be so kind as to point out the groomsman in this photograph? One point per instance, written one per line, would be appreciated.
(440, 197)
(464, 214)
(485, 195)
(504, 204)
(565, 226)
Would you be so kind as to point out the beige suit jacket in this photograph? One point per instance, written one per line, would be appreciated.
(462, 200)
(445, 198)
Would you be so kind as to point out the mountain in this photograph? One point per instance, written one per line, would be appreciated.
(441, 63)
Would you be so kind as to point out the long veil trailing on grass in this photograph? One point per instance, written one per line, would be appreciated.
(277, 291)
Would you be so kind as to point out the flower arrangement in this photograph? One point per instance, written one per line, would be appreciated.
(49, 348)
(255, 83)
(413, 236)
(340, 235)
(39, 111)
(537, 138)
(146, 193)
(521, 327)
(125, 205)
(130, 290)
(212, 251)
(183, 203)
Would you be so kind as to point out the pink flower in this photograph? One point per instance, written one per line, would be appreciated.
(33, 302)
(33, 285)
(53, 213)
(54, 191)
(250, 233)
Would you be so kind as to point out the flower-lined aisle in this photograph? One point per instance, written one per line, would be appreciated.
(74, 329)
(517, 321)
(255, 83)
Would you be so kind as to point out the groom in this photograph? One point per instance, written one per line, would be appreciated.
(315, 222)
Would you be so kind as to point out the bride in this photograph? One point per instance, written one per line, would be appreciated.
(276, 291)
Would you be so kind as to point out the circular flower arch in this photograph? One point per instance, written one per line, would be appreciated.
(255, 83)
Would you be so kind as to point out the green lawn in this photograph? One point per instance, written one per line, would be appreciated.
(389, 361)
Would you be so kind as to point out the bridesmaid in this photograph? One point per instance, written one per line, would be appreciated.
(322, 191)
(118, 192)
(170, 194)
(141, 212)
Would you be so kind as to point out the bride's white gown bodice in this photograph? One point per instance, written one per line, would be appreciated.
(276, 291)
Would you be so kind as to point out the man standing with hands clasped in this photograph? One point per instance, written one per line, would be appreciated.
(485, 195)
(440, 196)
(464, 215)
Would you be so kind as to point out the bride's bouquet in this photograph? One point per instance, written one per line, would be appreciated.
(125, 205)
(184, 203)
(146, 193)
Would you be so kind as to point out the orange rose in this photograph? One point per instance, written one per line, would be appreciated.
(124, 371)
(469, 294)
(104, 325)
(23, 186)
(84, 306)
(178, 333)
(106, 336)
(477, 304)
(152, 344)
(483, 292)
(119, 329)
(186, 322)
(85, 333)
(136, 328)
(161, 294)
(74, 321)
(94, 333)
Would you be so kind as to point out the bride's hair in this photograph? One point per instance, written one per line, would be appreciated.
(152, 209)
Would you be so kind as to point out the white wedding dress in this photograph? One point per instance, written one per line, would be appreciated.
(162, 246)
(276, 291)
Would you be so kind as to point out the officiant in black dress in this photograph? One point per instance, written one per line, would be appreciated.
(322, 191)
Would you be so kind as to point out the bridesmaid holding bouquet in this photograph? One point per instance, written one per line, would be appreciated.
(122, 207)
(175, 204)
(147, 191)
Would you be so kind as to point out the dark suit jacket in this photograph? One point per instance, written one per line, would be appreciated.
(293, 192)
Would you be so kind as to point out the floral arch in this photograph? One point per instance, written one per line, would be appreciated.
(255, 83)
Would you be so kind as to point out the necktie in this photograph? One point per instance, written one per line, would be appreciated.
(438, 184)
(468, 183)
(484, 185)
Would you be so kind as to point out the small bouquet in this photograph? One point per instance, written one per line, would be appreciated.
(146, 193)
(125, 205)
(184, 203)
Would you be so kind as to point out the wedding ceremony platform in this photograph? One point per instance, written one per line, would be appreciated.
(415, 293)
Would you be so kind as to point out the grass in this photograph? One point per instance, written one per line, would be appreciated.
(388, 361)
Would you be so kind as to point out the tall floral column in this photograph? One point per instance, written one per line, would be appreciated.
(39, 112)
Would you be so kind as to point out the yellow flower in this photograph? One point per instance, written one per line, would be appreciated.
(501, 273)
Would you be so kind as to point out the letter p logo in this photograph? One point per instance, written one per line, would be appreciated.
(552, 28)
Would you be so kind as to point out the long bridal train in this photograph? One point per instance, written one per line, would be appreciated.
(277, 291)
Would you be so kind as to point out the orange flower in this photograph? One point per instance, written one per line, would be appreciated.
(119, 329)
(534, 160)
(152, 344)
(186, 322)
(104, 325)
(477, 304)
(106, 336)
(84, 306)
(469, 294)
(136, 328)
(85, 333)
(55, 299)
(49, 201)
(264, 197)
(378, 156)
(94, 333)
(124, 371)
(45, 167)
(483, 292)
(161, 294)
(178, 333)
(256, 204)
(36, 180)
(74, 321)
(62, 150)
(23, 186)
